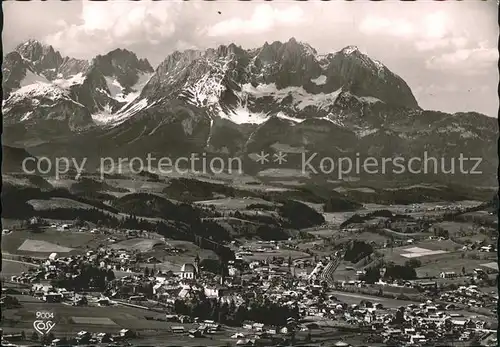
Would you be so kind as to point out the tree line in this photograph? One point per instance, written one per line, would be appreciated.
(257, 309)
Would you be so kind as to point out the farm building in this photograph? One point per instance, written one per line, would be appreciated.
(448, 274)
(127, 333)
(53, 297)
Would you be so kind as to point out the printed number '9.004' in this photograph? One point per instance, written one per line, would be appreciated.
(44, 315)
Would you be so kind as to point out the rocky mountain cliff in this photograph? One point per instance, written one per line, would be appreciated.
(283, 96)
(40, 86)
(245, 86)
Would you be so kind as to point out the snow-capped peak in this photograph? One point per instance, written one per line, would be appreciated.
(40, 89)
(350, 50)
(30, 43)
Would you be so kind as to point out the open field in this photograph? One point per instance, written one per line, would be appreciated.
(284, 253)
(367, 237)
(343, 237)
(53, 203)
(61, 182)
(189, 247)
(455, 228)
(367, 190)
(291, 183)
(13, 268)
(337, 218)
(77, 241)
(73, 319)
(452, 264)
(356, 298)
(92, 321)
(262, 187)
(438, 256)
(25, 181)
(468, 231)
(286, 148)
(417, 252)
(138, 244)
(424, 208)
(135, 186)
(492, 265)
(282, 173)
(43, 247)
(431, 245)
(395, 255)
(278, 253)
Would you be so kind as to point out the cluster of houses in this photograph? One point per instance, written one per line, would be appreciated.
(116, 260)
(85, 338)
(281, 281)
(410, 325)
(407, 325)
(471, 296)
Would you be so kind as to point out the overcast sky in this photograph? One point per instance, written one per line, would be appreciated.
(445, 51)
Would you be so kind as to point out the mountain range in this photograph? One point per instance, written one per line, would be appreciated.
(283, 96)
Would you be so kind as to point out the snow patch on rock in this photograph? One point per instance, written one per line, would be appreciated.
(106, 117)
(319, 81)
(115, 89)
(281, 115)
(33, 78)
(67, 83)
(241, 115)
(38, 90)
(301, 98)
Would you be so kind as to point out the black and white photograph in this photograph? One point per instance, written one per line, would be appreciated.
(249, 173)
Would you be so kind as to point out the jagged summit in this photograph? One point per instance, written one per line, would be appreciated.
(241, 84)
(42, 57)
(227, 99)
(31, 44)
(291, 45)
(104, 84)
(350, 50)
(228, 78)
(34, 49)
(123, 58)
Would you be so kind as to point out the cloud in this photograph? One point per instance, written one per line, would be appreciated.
(431, 32)
(103, 25)
(436, 89)
(263, 19)
(376, 25)
(467, 61)
(433, 26)
(436, 25)
(440, 32)
(442, 43)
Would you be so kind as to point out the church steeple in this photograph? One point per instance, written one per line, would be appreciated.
(197, 263)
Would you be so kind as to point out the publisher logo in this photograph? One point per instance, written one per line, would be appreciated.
(43, 325)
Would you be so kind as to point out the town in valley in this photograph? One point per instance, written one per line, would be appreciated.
(248, 173)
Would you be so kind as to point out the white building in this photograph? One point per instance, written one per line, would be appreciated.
(214, 291)
(188, 272)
